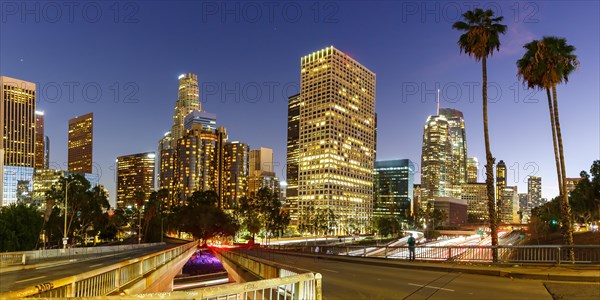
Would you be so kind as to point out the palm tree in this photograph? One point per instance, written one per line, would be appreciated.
(545, 64)
(481, 38)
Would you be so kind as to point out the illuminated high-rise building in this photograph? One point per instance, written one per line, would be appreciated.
(510, 205)
(500, 186)
(393, 190)
(261, 172)
(291, 169)
(40, 141)
(135, 173)
(458, 148)
(472, 169)
(436, 159)
(17, 150)
(43, 180)
(534, 190)
(475, 193)
(524, 207)
(46, 152)
(206, 119)
(81, 137)
(336, 151)
(165, 166)
(188, 100)
(236, 173)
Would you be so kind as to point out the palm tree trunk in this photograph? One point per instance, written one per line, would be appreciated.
(489, 166)
(556, 156)
(567, 223)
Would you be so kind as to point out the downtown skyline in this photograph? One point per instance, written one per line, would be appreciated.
(520, 132)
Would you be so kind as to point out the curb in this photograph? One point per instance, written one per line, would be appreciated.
(456, 269)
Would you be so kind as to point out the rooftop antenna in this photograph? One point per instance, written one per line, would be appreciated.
(438, 102)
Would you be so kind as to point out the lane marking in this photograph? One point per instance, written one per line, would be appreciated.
(334, 271)
(29, 279)
(95, 265)
(431, 287)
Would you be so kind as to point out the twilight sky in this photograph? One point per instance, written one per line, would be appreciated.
(120, 60)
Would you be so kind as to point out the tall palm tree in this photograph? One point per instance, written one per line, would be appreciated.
(481, 38)
(545, 64)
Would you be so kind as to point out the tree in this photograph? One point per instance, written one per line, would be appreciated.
(545, 64)
(19, 227)
(481, 38)
(387, 225)
(203, 219)
(438, 217)
(585, 199)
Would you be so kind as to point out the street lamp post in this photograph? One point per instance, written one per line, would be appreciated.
(65, 239)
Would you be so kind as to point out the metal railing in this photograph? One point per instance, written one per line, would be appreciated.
(584, 254)
(102, 281)
(36, 256)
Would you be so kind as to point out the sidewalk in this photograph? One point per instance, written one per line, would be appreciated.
(563, 272)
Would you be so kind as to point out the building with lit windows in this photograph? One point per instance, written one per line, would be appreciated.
(524, 207)
(458, 148)
(534, 190)
(17, 150)
(166, 166)
(40, 141)
(135, 173)
(509, 212)
(472, 169)
(236, 167)
(188, 100)
(261, 172)
(393, 188)
(206, 119)
(43, 180)
(291, 169)
(500, 186)
(436, 159)
(81, 138)
(475, 194)
(336, 150)
(572, 183)
(417, 202)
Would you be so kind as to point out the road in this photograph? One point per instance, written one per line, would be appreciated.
(345, 280)
(11, 281)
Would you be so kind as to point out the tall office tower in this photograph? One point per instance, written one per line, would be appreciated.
(337, 138)
(17, 150)
(206, 119)
(236, 173)
(46, 152)
(458, 148)
(188, 100)
(261, 172)
(534, 190)
(476, 195)
(81, 137)
(500, 185)
(524, 207)
(166, 165)
(417, 199)
(510, 205)
(472, 169)
(43, 180)
(291, 169)
(393, 188)
(436, 159)
(39, 140)
(135, 173)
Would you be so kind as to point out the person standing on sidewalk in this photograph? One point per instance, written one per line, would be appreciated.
(411, 248)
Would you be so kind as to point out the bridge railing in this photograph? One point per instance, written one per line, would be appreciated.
(584, 254)
(102, 281)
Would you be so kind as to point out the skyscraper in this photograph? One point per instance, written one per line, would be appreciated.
(188, 100)
(393, 190)
(166, 165)
(236, 176)
(436, 159)
(534, 190)
(261, 172)
(524, 207)
(500, 181)
(135, 173)
(17, 150)
(337, 138)
(472, 169)
(477, 206)
(291, 169)
(81, 138)
(40, 141)
(510, 205)
(46, 152)
(458, 148)
(206, 119)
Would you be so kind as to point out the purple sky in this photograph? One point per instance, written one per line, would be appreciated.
(139, 49)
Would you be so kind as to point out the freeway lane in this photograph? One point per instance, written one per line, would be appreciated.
(11, 281)
(344, 280)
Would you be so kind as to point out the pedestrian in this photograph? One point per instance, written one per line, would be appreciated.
(411, 248)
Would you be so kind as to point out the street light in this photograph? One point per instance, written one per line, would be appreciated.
(65, 239)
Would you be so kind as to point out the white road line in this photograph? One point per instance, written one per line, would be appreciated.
(29, 279)
(330, 270)
(95, 265)
(431, 287)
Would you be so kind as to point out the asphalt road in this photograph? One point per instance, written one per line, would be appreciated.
(344, 280)
(11, 281)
